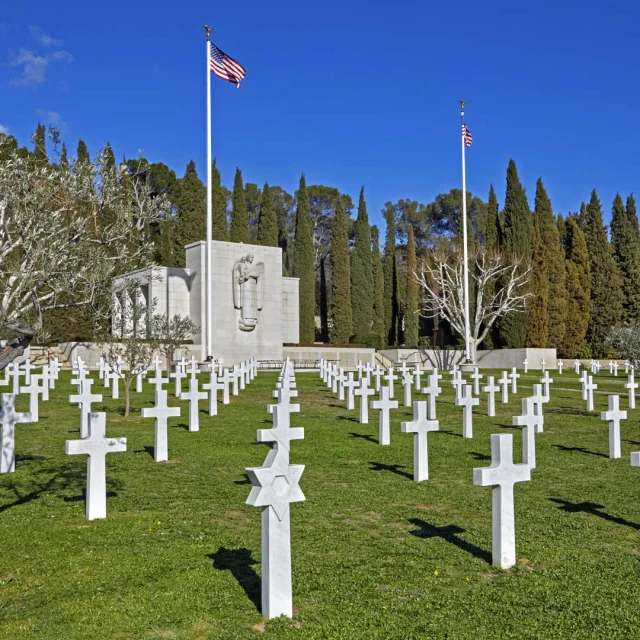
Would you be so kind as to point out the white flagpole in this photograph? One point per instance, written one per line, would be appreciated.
(467, 332)
(208, 355)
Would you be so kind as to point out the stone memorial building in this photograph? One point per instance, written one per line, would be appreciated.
(255, 308)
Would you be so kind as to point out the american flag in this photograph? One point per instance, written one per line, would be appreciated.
(225, 66)
(466, 135)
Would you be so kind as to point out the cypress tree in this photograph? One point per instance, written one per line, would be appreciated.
(538, 327)
(493, 223)
(606, 290)
(191, 217)
(554, 257)
(303, 265)
(324, 308)
(340, 320)
(578, 289)
(40, 148)
(411, 316)
(109, 158)
(219, 222)
(239, 216)
(389, 268)
(82, 153)
(516, 245)
(268, 220)
(625, 241)
(561, 225)
(362, 276)
(64, 160)
(378, 289)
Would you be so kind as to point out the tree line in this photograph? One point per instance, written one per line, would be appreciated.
(584, 276)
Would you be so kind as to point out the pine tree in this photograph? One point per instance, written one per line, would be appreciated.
(578, 289)
(219, 222)
(378, 289)
(538, 327)
(82, 153)
(303, 265)
(268, 220)
(64, 160)
(554, 257)
(493, 223)
(606, 289)
(340, 319)
(191, 217)
(109, 158)
(625, 240)
(561, 225)
(40, 147)
(362, 276)
(239, 216)
(516, 245)
(390, 290)
(412, 320)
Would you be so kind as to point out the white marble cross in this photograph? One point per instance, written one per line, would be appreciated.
(433, 391)
(476, 376)
(467, 402)
(45, 376)
(420, 427)
(576, 366)
(583, 381)
(457, 382)
(8, 420)
(491, 389)
(28, 368)
(403, 368)
(341, 378)
(502, 474)
(417, 373)
(158, 380)
(560, 365)
(614, 415)
(96, 446)
(589, 388)
(539, 400)
(504, 383)
(390, 377)
(227, 378)
(281, 434)
(34, 389)
(528, 421)
(377, 373)
(543, 365)
(526, 365)
(242, 378)
(384, 404)
(85, 398)
(81, 375)
(615, 368)
(407, 383)
(177, 375)
(334, 380)
(626, 367)
(363, 391)
(235, 375)
(140, 376)
(284, 395)
(350, 384)
(631, 385)
(7, 375)
(161, 412)
(545, 381)
(194, 395)
(15, 379)
(610, 366)
(213, 386)
(114, 376)
(514, 375)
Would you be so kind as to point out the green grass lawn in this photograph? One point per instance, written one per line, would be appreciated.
(375, 555)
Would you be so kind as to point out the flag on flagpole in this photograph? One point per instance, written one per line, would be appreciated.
(225, 66)
(466, 134)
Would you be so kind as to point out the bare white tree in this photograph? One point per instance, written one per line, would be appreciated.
(500, 288)
(65, 233)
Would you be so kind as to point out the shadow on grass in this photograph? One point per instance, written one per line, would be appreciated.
(363, 436)
(449, 533)
(570, 412)
(239, 562)
(451, 433)
(394, 468)
(182, 425)
(580, 450)
(348, 418)
(245, 481)
(594, 509)
(148, 449)
(479, 456)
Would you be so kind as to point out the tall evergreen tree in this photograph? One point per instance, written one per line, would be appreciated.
(516, 244)
(40, 146)
(340, 319)
(625, 240)
(606, 290)
(538, 327)
(324, 302)
(578, 289)
(239, 216)
(390, 288)
(412, 320)
(362, 276)
(268, 220)
(493, 223)
(554, 257)
(378, 289)
(303, 265)
(109, 158)
(191, 217)
(82, 153)
(219, 222)
(64, 160)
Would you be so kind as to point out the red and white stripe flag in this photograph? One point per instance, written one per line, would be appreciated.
(466, 135)
(225, 66)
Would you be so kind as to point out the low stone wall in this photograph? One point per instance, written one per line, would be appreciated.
(489, 359)
(90, 353)
(346, 357)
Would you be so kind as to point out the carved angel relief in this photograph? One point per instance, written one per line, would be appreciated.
(248, 291)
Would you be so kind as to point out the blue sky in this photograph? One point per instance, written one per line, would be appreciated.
(351, 92)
